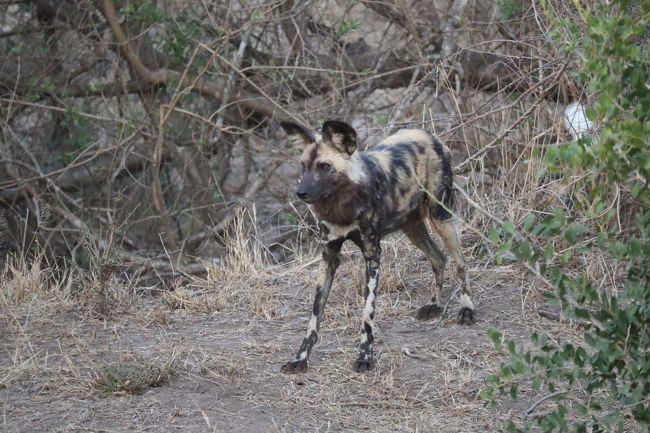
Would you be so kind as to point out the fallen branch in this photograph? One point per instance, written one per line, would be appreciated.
(541, 400)
(558, 317)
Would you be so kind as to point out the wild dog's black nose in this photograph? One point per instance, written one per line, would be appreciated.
(301, 194)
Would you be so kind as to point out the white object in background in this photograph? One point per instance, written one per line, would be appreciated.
(575, 120)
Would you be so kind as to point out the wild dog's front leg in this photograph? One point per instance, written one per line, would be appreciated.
(331, 260)
(372, 253)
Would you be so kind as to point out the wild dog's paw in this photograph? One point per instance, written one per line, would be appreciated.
(295, 366)
(466, 316)
(364, 363)
(428, 312)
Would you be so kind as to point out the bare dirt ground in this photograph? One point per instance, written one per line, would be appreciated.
(217, 360)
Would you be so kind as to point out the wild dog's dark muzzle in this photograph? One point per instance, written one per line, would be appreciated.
(304, 186)
(301, 194)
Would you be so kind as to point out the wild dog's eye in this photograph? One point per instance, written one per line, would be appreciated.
(324, 166)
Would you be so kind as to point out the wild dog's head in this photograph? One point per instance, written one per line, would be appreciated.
(327, 166)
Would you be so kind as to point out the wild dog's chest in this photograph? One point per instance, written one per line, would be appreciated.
(330, 232)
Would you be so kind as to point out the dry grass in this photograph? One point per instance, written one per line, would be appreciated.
(244, 253)
(23, 280)
(225, 361)
(130, 376)
(200, 301)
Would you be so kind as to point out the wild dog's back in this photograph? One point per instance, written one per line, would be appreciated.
(410, 167)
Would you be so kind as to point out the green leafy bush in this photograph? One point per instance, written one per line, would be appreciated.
(601, 383)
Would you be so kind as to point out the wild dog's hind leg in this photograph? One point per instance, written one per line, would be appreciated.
(417, 233)
(448, 231)
(331, 260)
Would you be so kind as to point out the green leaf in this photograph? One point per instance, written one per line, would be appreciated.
(256, 16)
(618, 249)
(581, 313)
(486, 393)
(549, 251)
(509, 228)
(493, 235)
(513, 391)
(494, 336)
(528, 221)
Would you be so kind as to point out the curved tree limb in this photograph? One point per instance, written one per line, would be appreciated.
(258, 105)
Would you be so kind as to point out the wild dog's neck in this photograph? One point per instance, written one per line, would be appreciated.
(342, 208)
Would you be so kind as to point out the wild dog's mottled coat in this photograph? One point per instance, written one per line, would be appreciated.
(363, 196)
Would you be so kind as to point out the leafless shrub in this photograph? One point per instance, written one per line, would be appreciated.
(185, 141)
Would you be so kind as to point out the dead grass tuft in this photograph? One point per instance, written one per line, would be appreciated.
(243, 274)
(159, 316)
(24, 279)
(263, 302)
(131, 376)
(244, 251)
(224, 367)
(99, 292)
(194, 299)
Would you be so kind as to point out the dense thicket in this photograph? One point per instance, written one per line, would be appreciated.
(155, 121)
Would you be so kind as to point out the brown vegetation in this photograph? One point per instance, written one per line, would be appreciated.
(154, 265)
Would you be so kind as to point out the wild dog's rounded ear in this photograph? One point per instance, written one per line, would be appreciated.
(298, 135)
(340, 135)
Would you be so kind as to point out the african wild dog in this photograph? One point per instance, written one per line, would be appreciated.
(363, 196)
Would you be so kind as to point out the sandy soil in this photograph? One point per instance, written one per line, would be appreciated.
(223, 367)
